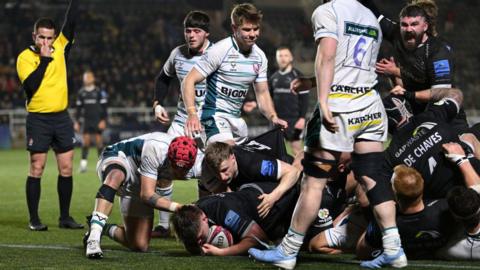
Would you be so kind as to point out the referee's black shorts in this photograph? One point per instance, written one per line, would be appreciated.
(50, 129)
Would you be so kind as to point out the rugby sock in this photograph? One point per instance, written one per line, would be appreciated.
(291, 243)
(84, 152)
(164, 216)
(99, 150)
(391, 240)
(109, 230)
(97, 222)
(33, 190)
(64, 189)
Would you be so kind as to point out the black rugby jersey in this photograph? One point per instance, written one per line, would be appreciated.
(92, 105)
(419, 145)
(421, 233)
(287, 104)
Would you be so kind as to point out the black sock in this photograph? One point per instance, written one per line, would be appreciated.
(84, 152)
(33, 190)
(64, 189)
(99, 150)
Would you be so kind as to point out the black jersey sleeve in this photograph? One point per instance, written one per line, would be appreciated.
(255, 167)
(68, 28)
(79, 105)
(33, 81)
(440, 66)
(162, 82)
(445, 109)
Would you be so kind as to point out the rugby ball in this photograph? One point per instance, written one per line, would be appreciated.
(219, 237)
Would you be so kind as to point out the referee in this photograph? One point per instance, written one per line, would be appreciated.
(43, 73)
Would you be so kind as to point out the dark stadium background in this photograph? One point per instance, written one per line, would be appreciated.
(126, 43)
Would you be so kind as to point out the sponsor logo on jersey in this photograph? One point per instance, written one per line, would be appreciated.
(232, 220)
(256, 68)
(267, 168)
(361, 30)
(441, 68)
(361, 119)
(233, 92)
(349, 89)
(199, 93)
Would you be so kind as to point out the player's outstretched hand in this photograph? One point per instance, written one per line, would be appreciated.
(268, 200)
(279, 122)
(192, 125)
(301, 84)
(328, 120)
(161, 114)
(208, 249)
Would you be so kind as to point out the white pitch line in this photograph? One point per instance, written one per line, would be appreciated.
(65, 248)
(53, 247)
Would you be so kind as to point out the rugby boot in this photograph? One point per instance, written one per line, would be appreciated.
(274, 256)
(398, 260)
(69, 223)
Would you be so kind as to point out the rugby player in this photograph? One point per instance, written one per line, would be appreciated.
(91, 105)
(131, 168)
(352, 119)
(196, 28)
(230, 67)
(424, 226)
(290, 107)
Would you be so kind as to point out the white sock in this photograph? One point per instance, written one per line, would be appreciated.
(164, 216)
(111, 232)
(96, 225)
(83, 163)
(391, 240)
(292, 242)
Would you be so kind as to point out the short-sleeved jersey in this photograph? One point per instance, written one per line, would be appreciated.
(419, 145)
(229, 74)
(178, 64)
(421, 233)
(52, 94)
(359, 37)
(287, 104)
(237, 211)
(146, 154)
(91, 103)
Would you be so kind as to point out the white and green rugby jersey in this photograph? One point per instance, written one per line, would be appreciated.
(178, 64)
(229, 75)
(359, 36)
(145, 154)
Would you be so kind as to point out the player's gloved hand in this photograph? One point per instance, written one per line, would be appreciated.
(328, 120)
(161, 114)
(301, 84)
(268, 200)
(208, 249)
(454, 153)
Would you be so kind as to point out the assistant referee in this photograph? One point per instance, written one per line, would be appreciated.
(42, 70)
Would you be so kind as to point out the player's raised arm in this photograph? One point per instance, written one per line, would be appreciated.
(68, 28)
(188, 94)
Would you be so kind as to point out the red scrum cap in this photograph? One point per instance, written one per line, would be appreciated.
(182, 152)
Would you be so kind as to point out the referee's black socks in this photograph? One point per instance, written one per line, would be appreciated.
(33, 190)
(64, 189)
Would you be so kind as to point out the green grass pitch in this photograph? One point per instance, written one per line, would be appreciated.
(62, 249)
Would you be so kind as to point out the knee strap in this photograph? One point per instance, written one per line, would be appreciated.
(370, 165)
(318, 167)
(107, 193)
